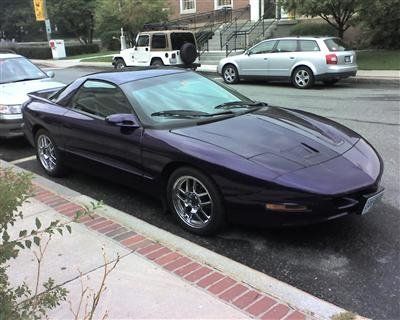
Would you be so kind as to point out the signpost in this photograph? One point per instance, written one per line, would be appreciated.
(41, 15)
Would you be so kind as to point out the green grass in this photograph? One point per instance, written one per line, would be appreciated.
(378, 60)
(91, 55)
(98, 59)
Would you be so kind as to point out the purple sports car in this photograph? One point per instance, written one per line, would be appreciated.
(211, 154)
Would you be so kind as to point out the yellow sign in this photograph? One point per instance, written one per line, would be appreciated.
(38, 6)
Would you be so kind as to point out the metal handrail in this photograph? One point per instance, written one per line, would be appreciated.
(247, 34)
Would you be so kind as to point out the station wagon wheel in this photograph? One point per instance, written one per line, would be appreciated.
(195, 201)
(230, 74)
(48, 154)
(303, 77)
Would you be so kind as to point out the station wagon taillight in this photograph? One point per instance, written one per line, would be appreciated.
(331, 58)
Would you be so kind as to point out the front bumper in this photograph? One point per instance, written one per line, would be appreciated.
(10, 128)
(320, 209)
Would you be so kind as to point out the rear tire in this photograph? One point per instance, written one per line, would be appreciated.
(230, 74)
(48, 155)
(195, 201)
(303, 77)
(157, 63)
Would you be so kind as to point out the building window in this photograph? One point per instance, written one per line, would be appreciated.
(188, 6)
(218, 4)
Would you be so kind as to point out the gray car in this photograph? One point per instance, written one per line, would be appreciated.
(300, 60)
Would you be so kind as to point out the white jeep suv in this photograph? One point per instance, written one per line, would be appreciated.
(160, 48)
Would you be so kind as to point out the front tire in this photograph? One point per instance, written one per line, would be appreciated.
(303, 77)
(195, 201)
(48, 155)
(119, 64)
(230, 74)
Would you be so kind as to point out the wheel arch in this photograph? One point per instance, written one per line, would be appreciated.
(303, 64)
(232, 63)
(35, 130)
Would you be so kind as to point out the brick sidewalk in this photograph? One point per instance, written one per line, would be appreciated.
(252, 302)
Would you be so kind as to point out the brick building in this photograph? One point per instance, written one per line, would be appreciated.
(182, 8)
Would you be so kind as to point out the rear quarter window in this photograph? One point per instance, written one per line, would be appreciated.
(308, 45)
(179, 38)
(336, 44)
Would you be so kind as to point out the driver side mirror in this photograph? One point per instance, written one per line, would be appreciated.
(50, 74)
(123, 120)
(249, 52)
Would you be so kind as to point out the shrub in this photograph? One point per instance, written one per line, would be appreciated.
(313, 29)
(34, 52)
(81, 49)
(110, 40)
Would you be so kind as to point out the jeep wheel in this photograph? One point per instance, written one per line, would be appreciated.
(157, 63)
(188, 53)
(119, 64)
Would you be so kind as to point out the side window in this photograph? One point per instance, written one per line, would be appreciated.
(263, 47)
(308, 45)
(286, 46)
(143, 41)
(158, 41)
(101, 99)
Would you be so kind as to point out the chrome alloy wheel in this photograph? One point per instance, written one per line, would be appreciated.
(46, 152)
(302, 78)
(230, 74)
(192, 201)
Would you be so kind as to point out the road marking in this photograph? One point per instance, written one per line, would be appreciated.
(23, 160)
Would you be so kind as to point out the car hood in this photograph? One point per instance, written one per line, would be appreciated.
(279, 139)
(17, 92)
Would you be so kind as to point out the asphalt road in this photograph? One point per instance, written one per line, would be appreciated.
(353, 262)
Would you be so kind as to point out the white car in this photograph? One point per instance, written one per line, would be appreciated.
(176, 48)
(299, 60)
(18, 77)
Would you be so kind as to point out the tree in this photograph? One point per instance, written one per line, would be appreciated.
(382, 22)
(75, 17)
(338, 13)
(111, 15)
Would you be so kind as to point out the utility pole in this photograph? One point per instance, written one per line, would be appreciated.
(41, 15)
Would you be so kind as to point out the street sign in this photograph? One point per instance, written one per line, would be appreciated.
(39, 8)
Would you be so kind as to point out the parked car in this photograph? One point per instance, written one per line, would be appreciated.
(211, 154)
(18, 77)
(299, 60)
(160, 48)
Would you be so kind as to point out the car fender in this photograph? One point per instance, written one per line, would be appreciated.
(118, 56)
(224, 62)
(304, 63)
(161, 56)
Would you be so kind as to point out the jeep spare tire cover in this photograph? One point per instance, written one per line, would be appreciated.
(188, 53)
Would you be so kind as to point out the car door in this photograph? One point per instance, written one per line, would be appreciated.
(255, 61)
(88, 135)
(284, 56)
(142, 50)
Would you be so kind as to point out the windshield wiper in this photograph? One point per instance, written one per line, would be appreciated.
(188, 114)
(240, 104)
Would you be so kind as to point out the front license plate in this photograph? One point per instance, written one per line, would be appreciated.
(347, 59)
(371, 202)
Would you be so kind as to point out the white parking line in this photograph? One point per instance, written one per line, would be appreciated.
(23, 160)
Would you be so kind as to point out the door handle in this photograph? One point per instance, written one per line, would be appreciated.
(265, 58)
(291, 58)
(147, 49)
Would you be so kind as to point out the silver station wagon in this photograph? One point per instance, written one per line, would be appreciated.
(300, 60)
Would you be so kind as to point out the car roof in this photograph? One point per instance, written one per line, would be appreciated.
(9, 55)
(304, 38)
(165, 31)
(121, 77)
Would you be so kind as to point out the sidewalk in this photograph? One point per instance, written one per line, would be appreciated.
(159, 274)
(363, 76)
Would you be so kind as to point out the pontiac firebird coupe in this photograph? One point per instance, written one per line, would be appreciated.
(211, 154)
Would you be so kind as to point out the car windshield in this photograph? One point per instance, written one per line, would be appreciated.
(181, 96)
(336, 44)
(19, 69)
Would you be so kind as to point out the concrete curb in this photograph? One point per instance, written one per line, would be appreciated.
(314, 306)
